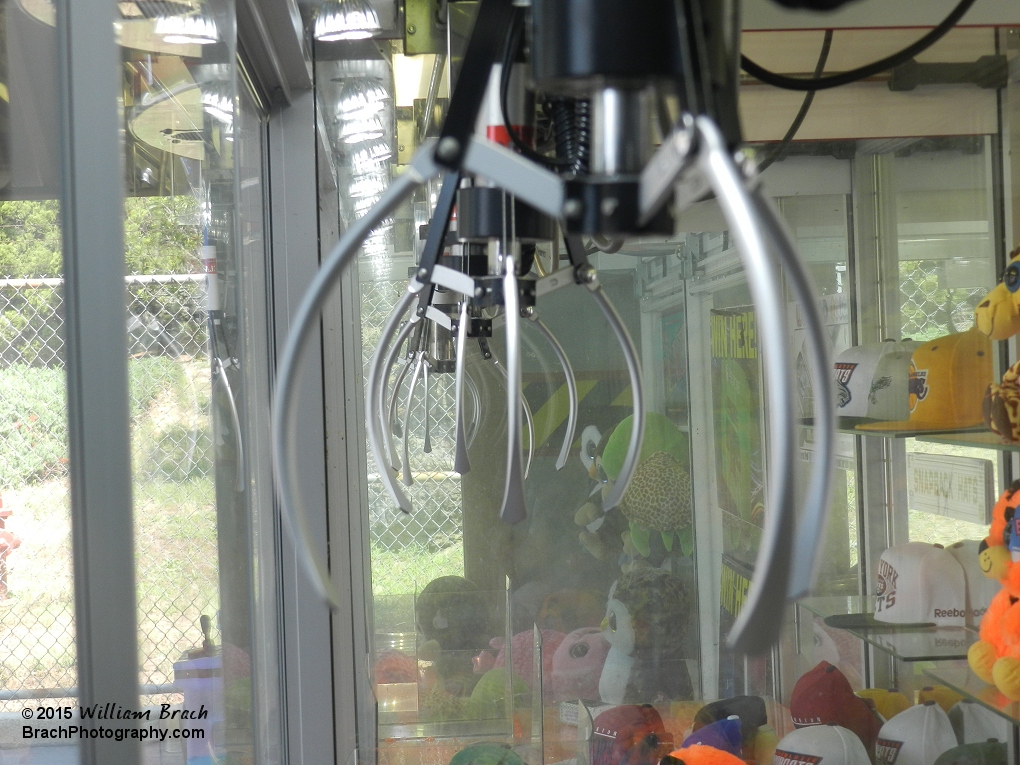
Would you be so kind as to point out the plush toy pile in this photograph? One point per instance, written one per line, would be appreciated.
(995, 658)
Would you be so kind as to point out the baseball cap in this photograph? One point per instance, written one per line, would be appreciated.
(629, 735)
(946, 384)
(821, 745)
(987, 753)
(871, 380)
(976, 724)
(889, 702)
(750, 710)
(916, 736)
(722, 734)
(980, 589)
(920, 583)
(824, 696)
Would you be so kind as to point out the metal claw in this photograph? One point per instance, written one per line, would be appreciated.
(760, 619)
(637, 430)
(420, 358)
(476, 409)
(561, 354)
(461, 463)
(375, 394)
(427, 448)
(387, 414)
(529, 419)
(512, 509)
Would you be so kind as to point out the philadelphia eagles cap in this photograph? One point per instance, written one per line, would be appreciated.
(821, 745)
(920, 583)
(916, 736)
(871, 380)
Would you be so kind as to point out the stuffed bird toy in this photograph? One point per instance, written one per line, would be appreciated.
(658, 500)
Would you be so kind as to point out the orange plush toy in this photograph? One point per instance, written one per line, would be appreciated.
(701, 755)
(995, 658)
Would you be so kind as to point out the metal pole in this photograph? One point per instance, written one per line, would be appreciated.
(97, 389)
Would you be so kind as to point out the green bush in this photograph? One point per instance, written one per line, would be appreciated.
(33, 424)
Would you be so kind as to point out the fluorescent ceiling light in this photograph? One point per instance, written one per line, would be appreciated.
(194, 29)
(346, 20)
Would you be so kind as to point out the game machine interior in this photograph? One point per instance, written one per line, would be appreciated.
(683, 344)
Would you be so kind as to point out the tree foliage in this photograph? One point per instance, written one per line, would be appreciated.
(161, 236)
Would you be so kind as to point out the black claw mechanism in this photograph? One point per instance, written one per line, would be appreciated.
(598, 81)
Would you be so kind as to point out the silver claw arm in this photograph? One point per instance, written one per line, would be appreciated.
(568, 370)
(387, 414)
(374, 392)
(512, 509)
(427, 448)
(637, 430)
(760, 619)
(529, 420)
(303, 321)
(420, 358)
(476, 409)
(815, 507)
(461, 463)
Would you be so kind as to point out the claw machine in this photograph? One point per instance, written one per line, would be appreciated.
(606, 517)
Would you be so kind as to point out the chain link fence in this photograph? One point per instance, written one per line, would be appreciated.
(426, 544)
(175, 520)
(927, 308)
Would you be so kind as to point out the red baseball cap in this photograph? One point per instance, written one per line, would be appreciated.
(629, 735)
(824, 696)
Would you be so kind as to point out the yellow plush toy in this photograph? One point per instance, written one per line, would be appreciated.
(998, 316)
(995, 658)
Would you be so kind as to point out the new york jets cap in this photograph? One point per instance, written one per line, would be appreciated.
(821, 745)
(920, 583)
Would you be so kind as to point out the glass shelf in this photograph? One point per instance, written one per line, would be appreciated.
(957, 675)
(906, 643)
(985, 439)
(850, 428)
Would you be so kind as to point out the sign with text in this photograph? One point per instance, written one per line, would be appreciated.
(957, 487)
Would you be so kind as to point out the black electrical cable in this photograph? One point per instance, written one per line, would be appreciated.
(823, 56)
(509, 53)
(853, 75)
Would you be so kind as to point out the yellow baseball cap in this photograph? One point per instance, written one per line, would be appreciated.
(947, 383)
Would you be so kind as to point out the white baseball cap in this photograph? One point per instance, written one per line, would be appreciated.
(976, 724)
(872, 380)
(916, 736)
(920, 583)
(821, 745)
(980, 589)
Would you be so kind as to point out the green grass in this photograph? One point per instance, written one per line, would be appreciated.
(407, 570)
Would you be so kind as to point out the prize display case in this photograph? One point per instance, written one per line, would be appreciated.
(585, 626)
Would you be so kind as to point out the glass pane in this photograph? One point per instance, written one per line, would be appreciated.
(522, 634)
(37, 624)
(198, 364)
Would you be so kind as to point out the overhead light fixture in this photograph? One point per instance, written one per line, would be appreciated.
(193, 29)
(346, 20)
(217, 102)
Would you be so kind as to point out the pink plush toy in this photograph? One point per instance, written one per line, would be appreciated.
(522, 655)
(577, 665)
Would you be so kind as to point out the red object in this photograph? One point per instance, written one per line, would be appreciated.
(8, 542)
(703, 755)
(824, 696)
(629, 735)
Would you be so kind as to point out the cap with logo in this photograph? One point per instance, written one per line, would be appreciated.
(920, 583)
(987, 753)
(916, 736)
(980, 588)
(629, 735)
(946, 384)
(821, 745)
(871, 380)
(824, 696)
